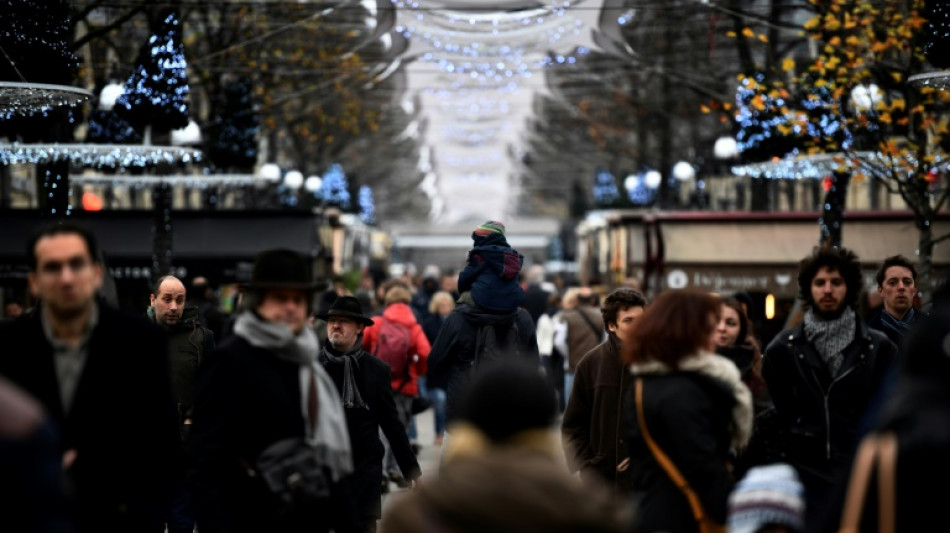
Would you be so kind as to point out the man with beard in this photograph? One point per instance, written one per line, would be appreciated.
(823, 374)
(365, 384)
(102, 377)
(188, 344)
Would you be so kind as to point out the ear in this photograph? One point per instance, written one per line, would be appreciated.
(31, 281)
(151, 300)
(880, 290)
(612, 326)
(97, 273)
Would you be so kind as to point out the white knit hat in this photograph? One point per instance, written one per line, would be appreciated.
(770, 494)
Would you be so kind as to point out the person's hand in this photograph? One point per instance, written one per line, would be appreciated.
(69, 457)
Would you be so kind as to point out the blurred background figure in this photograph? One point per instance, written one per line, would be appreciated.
(204, 296)
(691, 403)
(440, 306)
(503, 469)
(734, 341)
(12, 309)
(769, 499)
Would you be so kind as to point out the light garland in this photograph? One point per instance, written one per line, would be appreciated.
(821, 165)
(196, 181)
(97, 155)
(28, 99)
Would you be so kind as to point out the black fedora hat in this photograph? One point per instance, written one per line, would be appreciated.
(347, 307)
(282, 269)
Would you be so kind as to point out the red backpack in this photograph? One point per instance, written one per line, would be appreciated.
(394, 346)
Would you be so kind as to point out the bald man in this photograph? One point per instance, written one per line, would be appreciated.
(188, 343)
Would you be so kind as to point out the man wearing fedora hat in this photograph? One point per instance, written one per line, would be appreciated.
(263, 385)
(364, 382)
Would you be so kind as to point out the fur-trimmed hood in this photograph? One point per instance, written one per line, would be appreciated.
(721, 369)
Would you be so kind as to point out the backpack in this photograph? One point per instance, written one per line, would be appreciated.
(496, 343)
(394, 346)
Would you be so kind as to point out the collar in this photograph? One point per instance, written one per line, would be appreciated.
(83, 341)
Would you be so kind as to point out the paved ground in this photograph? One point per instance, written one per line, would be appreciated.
(429, 454)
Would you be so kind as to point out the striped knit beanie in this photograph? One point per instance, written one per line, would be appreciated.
(489, 228)
(770, 494)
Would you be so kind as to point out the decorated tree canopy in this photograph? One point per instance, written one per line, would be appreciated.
(235, 128)
(335, 188)
(367, 206)
(605, 188)
(108, 128)
(33, 36)
(937, 33)
(763, 116)
(155, 94)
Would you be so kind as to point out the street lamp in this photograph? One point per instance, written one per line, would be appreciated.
(293, 179)
(110, 93)
(726, 148)
(652, 179)
(269, 172)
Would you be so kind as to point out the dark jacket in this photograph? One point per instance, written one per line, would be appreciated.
(593, 422)
(492, 276)
(876, 321)
(246, 399)
(452, 356)
(688, 414)
(582, 335)
(122, 422)
(821, 415)
(363, 487)
(188, 343)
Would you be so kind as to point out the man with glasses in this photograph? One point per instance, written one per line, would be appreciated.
(103, 378)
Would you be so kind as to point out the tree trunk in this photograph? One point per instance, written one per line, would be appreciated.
(161, 230)
(832, 216)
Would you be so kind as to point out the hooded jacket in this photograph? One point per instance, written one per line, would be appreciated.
(492, 275)
(402, 314)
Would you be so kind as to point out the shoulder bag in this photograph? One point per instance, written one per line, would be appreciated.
(882, 447)
(705, 522)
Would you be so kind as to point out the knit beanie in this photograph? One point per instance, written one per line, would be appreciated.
(770, 494)
(491, 232)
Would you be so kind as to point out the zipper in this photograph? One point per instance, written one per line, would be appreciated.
(825, 397)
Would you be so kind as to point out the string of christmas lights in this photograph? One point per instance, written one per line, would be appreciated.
(97, 155)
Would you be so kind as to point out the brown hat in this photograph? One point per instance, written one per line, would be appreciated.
(282, 269)
(347, 307)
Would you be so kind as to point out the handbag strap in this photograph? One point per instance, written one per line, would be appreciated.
(597, 332)
(664, 460)
(883, 447)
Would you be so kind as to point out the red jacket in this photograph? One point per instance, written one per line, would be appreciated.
(400, 313)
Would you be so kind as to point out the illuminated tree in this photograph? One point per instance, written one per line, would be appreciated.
(235, 129)
(900, 134)
(367, 205)
(156, 93)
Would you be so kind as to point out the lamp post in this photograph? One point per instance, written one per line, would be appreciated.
(726, 150)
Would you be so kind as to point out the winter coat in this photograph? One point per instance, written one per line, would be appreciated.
(592, 426)
(492, 276)
(188, 343)
(582, 336)
(362, 487)
(246, 399)
(453, 353)
(696, 415)
(820, 415)
(122, 422)
(514, 488)
(402, 314)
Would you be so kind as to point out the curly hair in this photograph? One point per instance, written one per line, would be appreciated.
(840, 260)
(676, 325)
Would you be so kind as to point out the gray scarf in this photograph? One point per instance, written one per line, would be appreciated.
(349, 360)
(831, 337)
(331, 439)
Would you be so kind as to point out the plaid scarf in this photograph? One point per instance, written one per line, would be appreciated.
(897, 325)
(831, 337)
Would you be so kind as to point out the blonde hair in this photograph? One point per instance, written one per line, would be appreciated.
(570, 297)
(397, 294)
(437, 299)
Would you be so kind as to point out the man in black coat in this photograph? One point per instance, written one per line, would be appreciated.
(103, 378)
(823, 374)
(897, 285)
(365, 385)
(261, 386)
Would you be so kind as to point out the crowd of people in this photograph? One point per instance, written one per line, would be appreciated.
(554, 408)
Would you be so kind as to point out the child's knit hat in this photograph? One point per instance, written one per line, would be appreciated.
(767, 495)
(491, 232)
